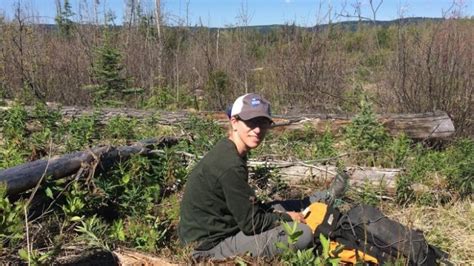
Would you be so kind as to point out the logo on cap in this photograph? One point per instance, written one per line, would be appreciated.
(255, 102)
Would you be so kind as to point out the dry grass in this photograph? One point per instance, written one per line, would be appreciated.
(449, 227)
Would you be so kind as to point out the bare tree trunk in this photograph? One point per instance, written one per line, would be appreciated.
(160, 44)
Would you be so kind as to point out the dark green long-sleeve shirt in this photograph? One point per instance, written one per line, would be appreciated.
(218, 202)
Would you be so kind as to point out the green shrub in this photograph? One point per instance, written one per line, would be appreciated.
(325, 146)
(288, 255)
(454, 169)
(10, 156)
(120, 127)
(397, 151)
(366, 134)
(205, 134)
(459, 168)
(49, 119)
(11, 220)
(80, 132)
(93, 231)
(14, 124)
(161, 98)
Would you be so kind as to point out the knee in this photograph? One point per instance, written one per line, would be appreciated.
(306, 238)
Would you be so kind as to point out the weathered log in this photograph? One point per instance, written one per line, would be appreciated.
(417, 126)
(25, 176)
(296, 172)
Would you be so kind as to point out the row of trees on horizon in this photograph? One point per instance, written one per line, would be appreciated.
(401, 67)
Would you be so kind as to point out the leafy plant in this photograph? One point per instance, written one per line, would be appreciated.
(11, 220)
(365, 133)
(80, 132)
(11, 156)
(120, 127)
(370, 194)
(117, 231)
(326, 257)
(398, 150)
(205, 133)
(325, 146)
(94, 232)
(460, 167)
(75, 203)
(14, 124)
(161, 98)
(36, 257)
(288, 255)
(147, 233)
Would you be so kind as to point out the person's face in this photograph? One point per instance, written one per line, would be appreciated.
(253, 131)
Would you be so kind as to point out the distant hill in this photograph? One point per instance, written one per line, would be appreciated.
(348, 25)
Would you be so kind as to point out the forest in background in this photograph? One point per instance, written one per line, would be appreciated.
(405, 66)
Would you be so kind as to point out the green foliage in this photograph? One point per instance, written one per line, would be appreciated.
(94, 232)
(366, 134)
(306, 257)
(325, 146)
(147, 233)
(398, 150)
(14, 124)
(161, 98)
(11, 220)
(384, 37)
(301, 144)
(218, 87)
(80, 132)
(117, 231)
(326, 257)
(11, 156)
(288, 256)
(370, 194)
(376, 59)
(49, 119)
(205, 133)
(108, 71)
(36, 257)
(454, 169)
(267, 182)
(75, 202)
(460, 167)
(64, 20)
(120, 127)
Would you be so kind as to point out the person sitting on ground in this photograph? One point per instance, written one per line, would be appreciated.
(219, 212)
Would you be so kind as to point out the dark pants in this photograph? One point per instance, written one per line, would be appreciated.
(263, 244)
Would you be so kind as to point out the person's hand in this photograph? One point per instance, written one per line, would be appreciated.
(297, 216)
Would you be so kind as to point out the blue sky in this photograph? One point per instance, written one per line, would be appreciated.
(220, 13)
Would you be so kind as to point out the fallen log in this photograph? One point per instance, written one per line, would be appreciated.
(25, 176)
(430, 125)
(297, 172)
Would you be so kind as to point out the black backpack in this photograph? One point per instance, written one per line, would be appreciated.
(367, 229)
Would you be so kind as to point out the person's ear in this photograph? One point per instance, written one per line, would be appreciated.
(233, 122)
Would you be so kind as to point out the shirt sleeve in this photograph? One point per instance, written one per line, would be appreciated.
(242, 203)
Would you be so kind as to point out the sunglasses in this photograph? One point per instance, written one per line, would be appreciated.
(261, 122)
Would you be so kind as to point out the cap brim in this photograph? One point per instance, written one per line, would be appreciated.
(251, 115)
